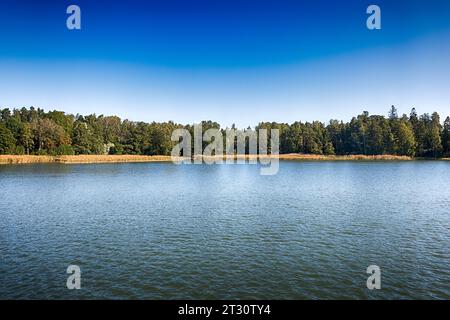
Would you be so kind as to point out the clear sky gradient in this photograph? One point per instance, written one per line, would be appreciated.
(223, 60)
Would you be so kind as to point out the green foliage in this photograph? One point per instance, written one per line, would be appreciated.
(406, 142)
(85, 141)
(33, 131)
(26, 138)
(435, 135)
(7, 140)
(19, 150)
(446, 137)
(49, 135)
(64, 150)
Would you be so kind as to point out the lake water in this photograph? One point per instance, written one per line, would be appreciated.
(161, 231)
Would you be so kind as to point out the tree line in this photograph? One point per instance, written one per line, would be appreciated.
(34, 131)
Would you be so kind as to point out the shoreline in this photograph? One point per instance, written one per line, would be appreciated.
(80, 159)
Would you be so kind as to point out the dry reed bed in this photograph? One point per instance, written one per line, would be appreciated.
(24, 159)
(13, 159)
(312, 157)
(343, 158)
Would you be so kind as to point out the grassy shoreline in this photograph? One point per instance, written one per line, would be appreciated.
(78, 159)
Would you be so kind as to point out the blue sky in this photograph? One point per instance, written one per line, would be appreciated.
(229, 61)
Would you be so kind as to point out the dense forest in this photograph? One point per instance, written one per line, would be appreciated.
(34, 131)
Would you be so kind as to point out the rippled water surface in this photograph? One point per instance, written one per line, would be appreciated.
(157, 230)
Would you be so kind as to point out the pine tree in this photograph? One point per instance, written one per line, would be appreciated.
(435, 135)
(393, 115)
(446, 137)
